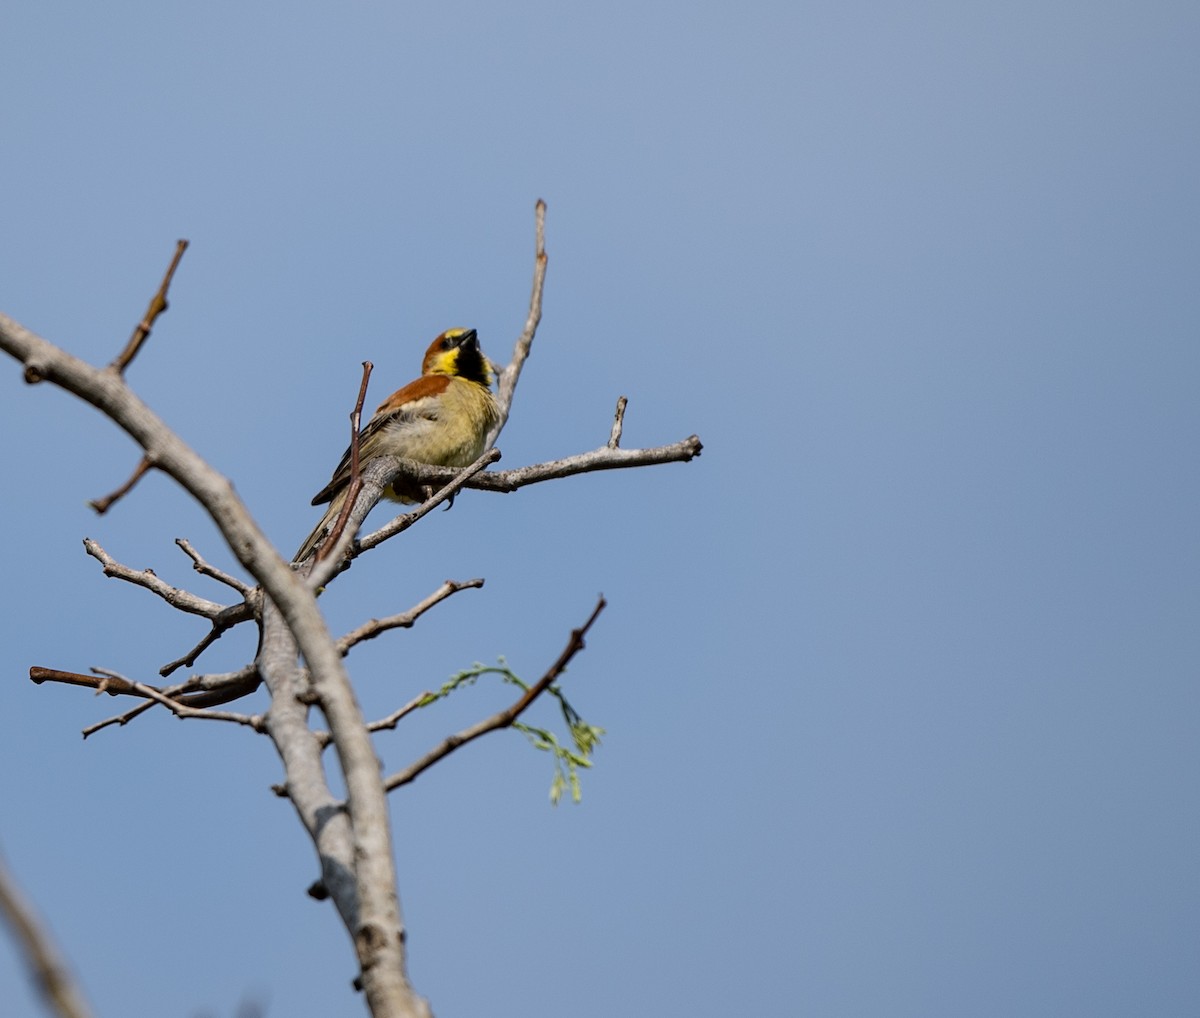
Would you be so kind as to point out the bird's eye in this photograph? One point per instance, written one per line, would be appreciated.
(448, 343)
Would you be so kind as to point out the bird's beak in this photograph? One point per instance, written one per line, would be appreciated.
(470, 338)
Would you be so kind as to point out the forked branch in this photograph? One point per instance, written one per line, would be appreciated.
(147, 578)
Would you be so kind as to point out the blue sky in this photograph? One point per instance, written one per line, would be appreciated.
(899, 677)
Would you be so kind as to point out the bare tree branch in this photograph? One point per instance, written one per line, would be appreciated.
(46, 966)
(205, 569)
(391, 720)
(370, 630)
(158, 304)
(198, 691)
(369, 904)
(604, 458)
(120, 719)
(221, 624)
(614, 437)
(102, 505)
(501, 719)
(123, 684)
(507, 382)
(182, 710)
(396, 716)
(223, 617)
(174, 596)
(100, 683)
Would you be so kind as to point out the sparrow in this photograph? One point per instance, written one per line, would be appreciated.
(442, 418)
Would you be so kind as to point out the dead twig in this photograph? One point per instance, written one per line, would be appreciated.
(174, 596)
(223, 617)
(396, 716)
(102, 505)
(198, 691)
(390, 721)
(404, 620)
(509, 376)
(182, 710)
(603, 458)
(120, 719)
(158, 304)
(614, 437)
(224, 621)
(205, 569)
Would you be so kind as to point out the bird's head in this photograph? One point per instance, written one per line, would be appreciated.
(456, 352)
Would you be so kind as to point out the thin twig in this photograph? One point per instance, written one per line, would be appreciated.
(120, 719)
(190, 658)
(404, 620)
(334, 535)
(501, 719)
(158, 304)
(181, 710)
(223, 622)
(46, 966)
(102, 505)
(512, 372)
(382, 724)
(396, 716)
(207, 569)
(614, 437)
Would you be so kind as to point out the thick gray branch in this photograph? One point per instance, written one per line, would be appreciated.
(377, 932)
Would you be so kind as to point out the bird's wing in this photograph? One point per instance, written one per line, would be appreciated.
(414, 406)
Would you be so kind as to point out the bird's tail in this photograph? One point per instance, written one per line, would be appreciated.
(321, 529)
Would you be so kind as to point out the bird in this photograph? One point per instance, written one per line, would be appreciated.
(442, 418)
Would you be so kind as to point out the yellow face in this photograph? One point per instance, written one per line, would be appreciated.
(456, 353)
